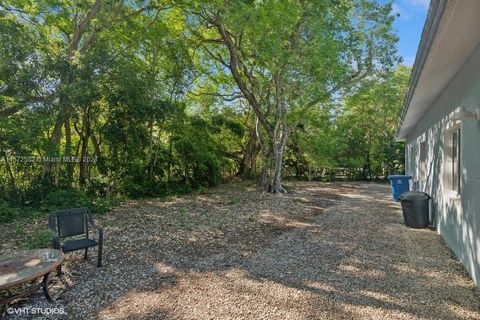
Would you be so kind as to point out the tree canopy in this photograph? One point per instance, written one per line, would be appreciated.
(286, 57)
(143, 98)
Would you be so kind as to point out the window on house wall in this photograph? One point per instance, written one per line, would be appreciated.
(423, 161)
(411, 160)
(452, 160)
(455, 170)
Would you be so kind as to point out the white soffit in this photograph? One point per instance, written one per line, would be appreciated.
(457, 35)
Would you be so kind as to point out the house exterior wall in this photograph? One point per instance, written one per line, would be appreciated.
(456, 217)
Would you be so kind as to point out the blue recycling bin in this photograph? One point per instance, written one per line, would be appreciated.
(400, 184)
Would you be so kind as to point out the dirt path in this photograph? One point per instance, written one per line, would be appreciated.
(324, 251)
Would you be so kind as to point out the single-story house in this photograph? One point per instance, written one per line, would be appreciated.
(441, 128)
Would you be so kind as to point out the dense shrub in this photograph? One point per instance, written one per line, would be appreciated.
(74, 198)
(7, 212)
(64, 199)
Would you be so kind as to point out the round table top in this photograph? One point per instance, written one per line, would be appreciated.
(24, 266)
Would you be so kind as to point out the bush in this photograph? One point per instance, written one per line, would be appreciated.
(74, 198)
(206, 172)
(7, 213)
(102, 205)
(65, 199)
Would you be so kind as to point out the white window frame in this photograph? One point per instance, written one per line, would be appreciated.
(422, 163)
(456, 160)
(452, 162)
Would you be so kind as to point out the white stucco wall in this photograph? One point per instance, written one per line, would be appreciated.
(457, 218)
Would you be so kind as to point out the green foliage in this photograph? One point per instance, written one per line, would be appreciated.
(64, 199)
(141, 96)
(41, 239)
(75, 198)
(196, 151)
(7, 213)
(367, 124)
(286, 57)
(356, 137)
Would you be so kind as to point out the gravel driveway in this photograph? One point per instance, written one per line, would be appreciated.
(323, 251)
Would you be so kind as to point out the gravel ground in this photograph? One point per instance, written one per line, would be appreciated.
(323, 251)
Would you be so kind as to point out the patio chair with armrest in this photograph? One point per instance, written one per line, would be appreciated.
(75, 224)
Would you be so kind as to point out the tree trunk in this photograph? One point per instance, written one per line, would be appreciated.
(52, 151)
(150, 150)
(68, 152)
(157, 151)
(281, 134)
(265, 172)
(9, 170)
(275, 132)
(170, 158)
(79, 30)
(98, 154)
(185, 169)
(249, 158)
(271, 172)
(83, 163)
(85, 136)
(366, 172)
(279, 149)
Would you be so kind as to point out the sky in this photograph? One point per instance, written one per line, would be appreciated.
(409, 26)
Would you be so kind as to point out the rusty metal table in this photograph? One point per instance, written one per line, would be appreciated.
(22, 267)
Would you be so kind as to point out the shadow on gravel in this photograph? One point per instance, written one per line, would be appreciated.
(334, 250)
(358, 261)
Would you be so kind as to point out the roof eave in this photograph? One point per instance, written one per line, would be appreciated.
(435, 14)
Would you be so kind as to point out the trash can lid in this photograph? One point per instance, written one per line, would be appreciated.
(415, 195)
(397, 176)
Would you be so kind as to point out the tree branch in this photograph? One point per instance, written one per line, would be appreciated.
(225, 97)
(234, 68)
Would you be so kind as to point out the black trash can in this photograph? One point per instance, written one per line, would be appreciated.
(415, 209)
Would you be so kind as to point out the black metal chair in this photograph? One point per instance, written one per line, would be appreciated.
(74, 223)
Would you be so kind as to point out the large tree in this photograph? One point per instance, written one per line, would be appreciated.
(288, 56)
(366, 122)
(75, 44)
